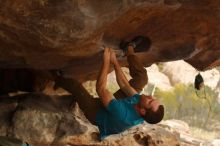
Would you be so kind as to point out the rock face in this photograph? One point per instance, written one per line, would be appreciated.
(157, 78)
(67, 34)
(44, 120)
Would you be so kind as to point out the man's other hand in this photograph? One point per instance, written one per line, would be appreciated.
(113, 57)
(106, 55)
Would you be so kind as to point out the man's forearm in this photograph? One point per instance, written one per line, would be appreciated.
(101, 89)
(102, 78)
(121, 78)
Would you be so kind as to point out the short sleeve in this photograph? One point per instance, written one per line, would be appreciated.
(117, 109)
(133, 99)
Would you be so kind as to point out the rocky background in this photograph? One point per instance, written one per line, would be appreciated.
(37, 36)
(165, 76)
(49, 118)
(68, 34)
(42, 120)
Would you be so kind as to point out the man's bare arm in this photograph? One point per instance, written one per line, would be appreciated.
(101, 89)
(121, 78)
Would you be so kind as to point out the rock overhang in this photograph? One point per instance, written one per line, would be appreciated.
(68, 34)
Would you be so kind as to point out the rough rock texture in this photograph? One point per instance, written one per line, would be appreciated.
(67, 34)
(44, 120)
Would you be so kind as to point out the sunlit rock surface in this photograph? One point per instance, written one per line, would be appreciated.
(46, 34)
(44, 120)
(181, 72)
(157, 78)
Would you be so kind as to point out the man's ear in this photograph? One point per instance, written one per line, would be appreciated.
(142, 111)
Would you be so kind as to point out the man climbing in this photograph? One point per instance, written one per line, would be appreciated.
(111, 114)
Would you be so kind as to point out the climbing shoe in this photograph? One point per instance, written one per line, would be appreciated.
(139, 43)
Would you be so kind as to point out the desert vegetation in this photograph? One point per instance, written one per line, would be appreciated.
(201, 111)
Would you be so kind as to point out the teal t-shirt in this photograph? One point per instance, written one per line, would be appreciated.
(118, 116)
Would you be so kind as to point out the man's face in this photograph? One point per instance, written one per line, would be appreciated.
(149, 102)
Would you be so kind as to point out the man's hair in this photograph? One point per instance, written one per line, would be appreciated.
(154, 117)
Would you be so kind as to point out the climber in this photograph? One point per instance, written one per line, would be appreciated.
(126, 108)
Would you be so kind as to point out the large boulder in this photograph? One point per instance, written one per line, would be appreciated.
(54, 120)
(157, 79)
(43, 120)
(67, 34)
(182, 129)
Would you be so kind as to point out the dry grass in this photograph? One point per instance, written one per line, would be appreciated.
(204, 134)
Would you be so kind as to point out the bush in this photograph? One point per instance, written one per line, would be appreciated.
(183, 103)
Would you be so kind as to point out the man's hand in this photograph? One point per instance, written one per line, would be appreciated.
(113, 57)
(106, 55)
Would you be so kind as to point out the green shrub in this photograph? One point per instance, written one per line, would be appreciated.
(183, 103)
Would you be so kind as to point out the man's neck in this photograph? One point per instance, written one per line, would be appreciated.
(137, 108)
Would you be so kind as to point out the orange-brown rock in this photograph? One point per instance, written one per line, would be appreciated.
(67, 34)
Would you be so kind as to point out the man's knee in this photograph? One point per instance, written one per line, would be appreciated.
(142, 82)
(139, 84)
